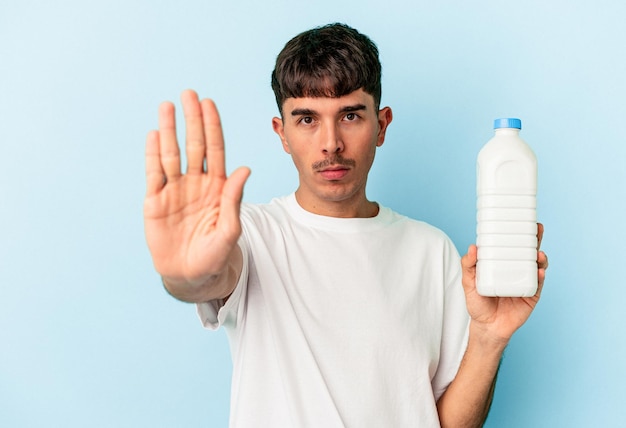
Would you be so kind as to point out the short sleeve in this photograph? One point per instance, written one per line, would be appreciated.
(455, 331)
(216, 313)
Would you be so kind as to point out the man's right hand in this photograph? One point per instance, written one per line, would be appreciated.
(192, 220)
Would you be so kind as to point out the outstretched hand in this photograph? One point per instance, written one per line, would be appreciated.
(191, 220)
(500, 317)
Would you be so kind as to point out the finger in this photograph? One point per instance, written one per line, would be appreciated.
(214, 139)
(542, 260)
(168, 145)
(230, 204)
(539, 234)
(542, 264)
(154, 171)
(195, 132)
(541, 276)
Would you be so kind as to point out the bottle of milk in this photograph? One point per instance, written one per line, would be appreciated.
(506, 214)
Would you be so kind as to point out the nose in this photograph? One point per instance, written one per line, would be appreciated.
(331, 139)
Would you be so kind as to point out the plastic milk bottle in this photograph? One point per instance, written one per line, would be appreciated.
(506, 214)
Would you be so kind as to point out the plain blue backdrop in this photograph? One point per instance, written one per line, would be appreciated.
(89, 338)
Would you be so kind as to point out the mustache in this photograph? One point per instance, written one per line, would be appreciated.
(333, 160)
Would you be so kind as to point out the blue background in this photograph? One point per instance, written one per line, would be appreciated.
(88, 337)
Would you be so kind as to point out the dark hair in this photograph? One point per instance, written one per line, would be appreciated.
(329, 61)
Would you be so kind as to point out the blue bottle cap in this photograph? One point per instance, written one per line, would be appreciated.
(507, 122)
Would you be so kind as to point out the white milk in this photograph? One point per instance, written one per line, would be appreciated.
(506, 214)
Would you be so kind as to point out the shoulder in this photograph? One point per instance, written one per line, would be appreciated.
(413, 226)
(265, 218)
(277, 207)
(419, 235)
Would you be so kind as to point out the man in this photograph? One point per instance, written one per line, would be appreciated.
(339, 312)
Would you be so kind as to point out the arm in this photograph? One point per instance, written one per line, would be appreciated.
(493, 321)
(192, 220)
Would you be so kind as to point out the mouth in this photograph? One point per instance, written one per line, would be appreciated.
(334, 168)
(334, 173)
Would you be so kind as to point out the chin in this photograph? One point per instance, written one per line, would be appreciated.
(338, 193)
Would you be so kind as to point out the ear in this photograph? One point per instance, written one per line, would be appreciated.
(385, 116)
(279, 129)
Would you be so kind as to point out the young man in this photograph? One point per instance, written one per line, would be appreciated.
(340, 312)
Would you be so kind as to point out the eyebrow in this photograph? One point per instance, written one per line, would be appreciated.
(309, 112)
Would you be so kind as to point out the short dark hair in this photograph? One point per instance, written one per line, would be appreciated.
(329, 61)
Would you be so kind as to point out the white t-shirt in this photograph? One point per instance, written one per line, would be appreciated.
(337, 322)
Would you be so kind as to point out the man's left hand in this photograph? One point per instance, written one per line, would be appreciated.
(500, 317)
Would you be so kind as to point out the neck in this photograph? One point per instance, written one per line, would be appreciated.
(360, 208)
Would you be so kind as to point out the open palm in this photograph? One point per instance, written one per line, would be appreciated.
(191, 220)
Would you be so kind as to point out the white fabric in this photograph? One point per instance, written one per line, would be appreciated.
(341, 322)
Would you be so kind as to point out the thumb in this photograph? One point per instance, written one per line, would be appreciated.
(468, 261)
(468, 266)
(230, 204)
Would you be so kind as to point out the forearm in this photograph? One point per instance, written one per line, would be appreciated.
(467, 400)
(219, 285)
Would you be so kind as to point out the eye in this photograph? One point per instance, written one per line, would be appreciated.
(351, 117)
(306, 120)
